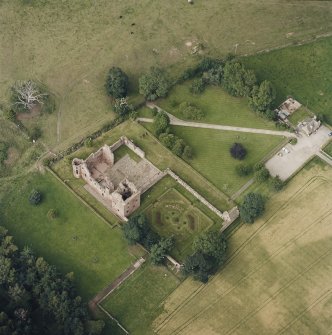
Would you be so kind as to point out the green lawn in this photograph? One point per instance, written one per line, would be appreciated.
(218, 106)
(304, 72)
(139, 300)
(300, 115)
(76, 241)
(213, 160)
(124, 150)
(173, 215)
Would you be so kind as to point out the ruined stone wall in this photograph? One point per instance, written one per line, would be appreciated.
(138, 151)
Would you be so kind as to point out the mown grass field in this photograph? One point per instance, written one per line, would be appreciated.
(70, 45)
(277, 277)
(77, 240)
(212, 157)
(139, 300)
(218, 106)
(304, 72)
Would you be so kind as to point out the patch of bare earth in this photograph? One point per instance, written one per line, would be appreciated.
(13, 155)
(34, 112)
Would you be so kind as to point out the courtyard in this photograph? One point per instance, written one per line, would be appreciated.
(292, 157)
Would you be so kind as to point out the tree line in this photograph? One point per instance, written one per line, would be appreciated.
(36, 298)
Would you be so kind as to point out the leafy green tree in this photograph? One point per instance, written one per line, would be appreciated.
(238, 151)
(262, 97)
(214, 76)
(237, 80)
(168, 140)
(178, 147)
(243, 170)
(262, 175)
(161, 122)
(159, 250)
(154, 84)
(277, 184)
(35, 197)
(135, 229)
(212, 244)
(198, 265)
(253, 206)
(117, 83)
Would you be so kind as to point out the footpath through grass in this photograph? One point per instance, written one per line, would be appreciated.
(139, 300)
(304, 72)
(77, 240)
(218, 106)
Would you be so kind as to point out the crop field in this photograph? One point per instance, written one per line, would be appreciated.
(212, 157)
(139, 300)
(304, 72)
(277, 277)
(173, 215)
(76, 42)
(76, 240)
(218, 106)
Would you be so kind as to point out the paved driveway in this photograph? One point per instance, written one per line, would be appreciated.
(288, 161)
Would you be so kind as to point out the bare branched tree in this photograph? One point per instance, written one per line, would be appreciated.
(27, 94)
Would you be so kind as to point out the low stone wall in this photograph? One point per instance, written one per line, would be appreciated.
(116, 145)
(153, 181)
(138, 151)
(194, 193)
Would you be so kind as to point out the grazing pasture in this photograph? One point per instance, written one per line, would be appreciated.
(304, 72)
(277, 277)
(76, 240)
(70, 45)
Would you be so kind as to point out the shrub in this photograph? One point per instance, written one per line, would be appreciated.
(187, 152)
(277, 184)
(154, 111)
(3, 152)
(10, 114)
(238, 151)
(197, 86)
(35, 133)
(243, 170)
(293, 141)
(116, 83)
(253, 206)
(161, 122)
(35, 197)
(190, 111)
(178, 147)
(262, 175)
(122, 107)
(88, 142)
(52, 214)
(168, 140)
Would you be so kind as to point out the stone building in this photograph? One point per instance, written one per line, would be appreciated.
(122, 196)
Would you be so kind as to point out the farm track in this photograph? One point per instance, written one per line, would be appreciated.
(237, 252)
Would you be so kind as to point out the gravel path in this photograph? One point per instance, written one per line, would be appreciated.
(177, 122)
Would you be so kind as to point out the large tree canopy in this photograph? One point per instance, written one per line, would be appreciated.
(253, 206)
(238, 151)
(237, 80)
(262, 97)
(36, 299)
(117, 83)
(161, 122)
(154, 84)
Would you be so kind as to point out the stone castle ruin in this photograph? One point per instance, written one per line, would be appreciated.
(119, 184)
